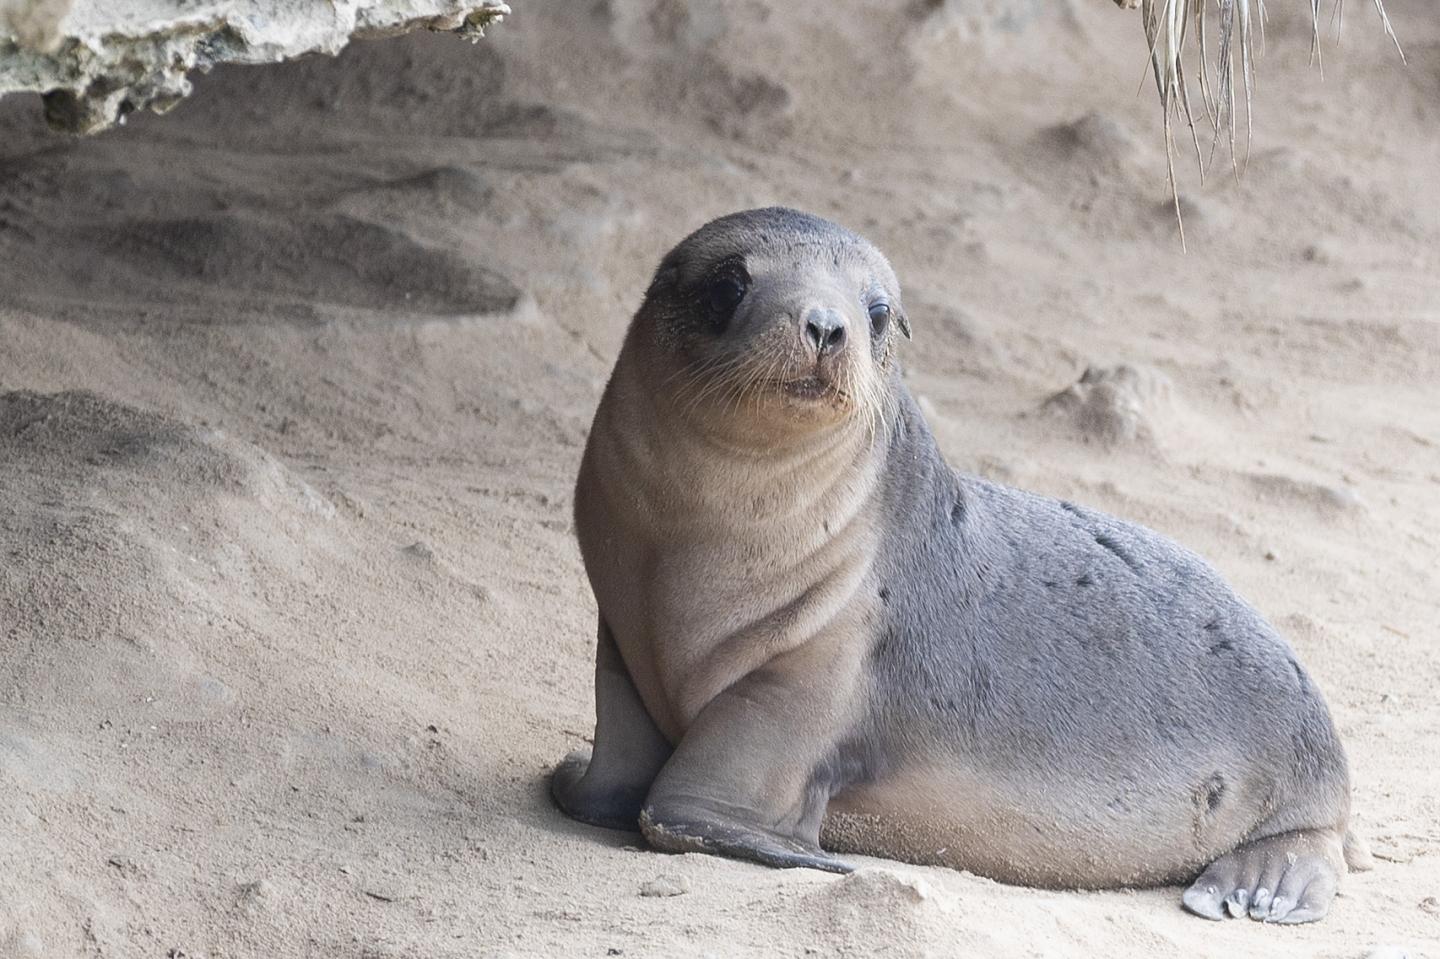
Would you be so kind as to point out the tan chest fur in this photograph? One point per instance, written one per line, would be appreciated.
(708, 565)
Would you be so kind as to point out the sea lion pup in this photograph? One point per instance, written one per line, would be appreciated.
(815, 633)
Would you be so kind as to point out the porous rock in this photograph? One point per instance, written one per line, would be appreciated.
(96, 61)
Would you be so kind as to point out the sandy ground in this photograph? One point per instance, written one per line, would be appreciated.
(294, 383)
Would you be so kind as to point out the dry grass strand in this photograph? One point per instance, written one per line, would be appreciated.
(1168, 24)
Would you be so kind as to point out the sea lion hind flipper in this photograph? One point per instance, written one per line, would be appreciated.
(1288, 878)
(607, 786)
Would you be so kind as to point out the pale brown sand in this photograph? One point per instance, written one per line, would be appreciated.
(294, 382)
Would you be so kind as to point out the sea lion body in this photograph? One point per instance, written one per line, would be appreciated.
(1084, 702)
(814, 632)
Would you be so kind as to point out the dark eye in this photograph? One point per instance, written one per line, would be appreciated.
(879, 317)
(724, 294)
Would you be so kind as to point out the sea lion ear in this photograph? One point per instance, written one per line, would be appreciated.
(904, 322)
(665, 279)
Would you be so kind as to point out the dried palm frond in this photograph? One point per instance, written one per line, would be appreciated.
(1168, 24)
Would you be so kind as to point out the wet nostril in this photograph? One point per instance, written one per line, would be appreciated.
(815, 334)
(825, 331)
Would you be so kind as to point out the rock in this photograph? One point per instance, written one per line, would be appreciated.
(665, 886)
(97, 62)
(420, 550)
(125, 864)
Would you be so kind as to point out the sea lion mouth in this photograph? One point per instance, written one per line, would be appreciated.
(811, 388)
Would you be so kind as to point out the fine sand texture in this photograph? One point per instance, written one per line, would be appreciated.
(294, 384)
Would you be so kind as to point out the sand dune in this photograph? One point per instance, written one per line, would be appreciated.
(294, 383)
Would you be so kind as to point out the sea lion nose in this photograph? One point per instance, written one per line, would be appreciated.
(825, 330)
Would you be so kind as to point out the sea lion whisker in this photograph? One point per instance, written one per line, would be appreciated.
(733, 389)
(713, 380)
(708, 381)
(757, 380)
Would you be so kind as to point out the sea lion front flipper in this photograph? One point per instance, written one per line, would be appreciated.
(695, 827)
(607, 786)
(751, 777)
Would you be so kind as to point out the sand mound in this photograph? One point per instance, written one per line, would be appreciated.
(970, 348)
(1098, 141)
(135, 516)
(152, 561)
(49, 436)
(317, 258)
(1322, 499)
(444, 191)
(433, 90)
(263, 262)
(76, 233)
(138, 528)
(982, 20)
(894, 908)
(1114, 405)
(137, 533)
(678, 40)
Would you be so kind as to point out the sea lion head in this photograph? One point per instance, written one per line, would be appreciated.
(772, 323)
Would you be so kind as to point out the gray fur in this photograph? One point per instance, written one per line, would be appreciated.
(1070, 652)
(813, 629)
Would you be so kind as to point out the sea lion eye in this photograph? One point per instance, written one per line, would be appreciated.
(879, 316)
(724, 294)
